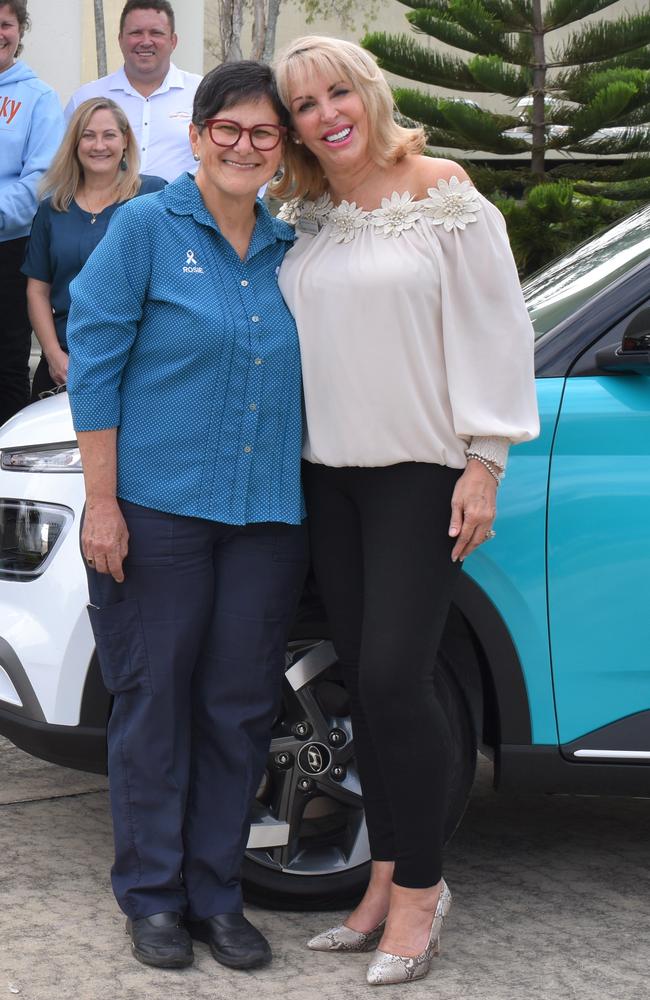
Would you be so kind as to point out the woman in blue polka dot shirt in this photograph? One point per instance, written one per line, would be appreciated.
(184, 383)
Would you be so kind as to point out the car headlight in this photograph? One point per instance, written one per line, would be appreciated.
(29, 534)
(63, 457)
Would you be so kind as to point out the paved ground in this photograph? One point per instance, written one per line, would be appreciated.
(551, 902)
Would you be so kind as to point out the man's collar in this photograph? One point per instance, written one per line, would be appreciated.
(173, 79)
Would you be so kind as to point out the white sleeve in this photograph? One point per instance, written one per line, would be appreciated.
(487, 335)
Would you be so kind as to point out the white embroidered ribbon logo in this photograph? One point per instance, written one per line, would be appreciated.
(191, 264)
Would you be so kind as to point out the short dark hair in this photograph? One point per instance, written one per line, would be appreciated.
(163, 6)
(19, 10)
(235, 82)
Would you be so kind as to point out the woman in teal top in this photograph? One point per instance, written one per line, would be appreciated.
(185, 392)
(93, 173)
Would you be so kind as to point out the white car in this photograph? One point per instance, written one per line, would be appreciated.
(526, 669)
(308, 845)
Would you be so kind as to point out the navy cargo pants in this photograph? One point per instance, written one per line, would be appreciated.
(192, 647)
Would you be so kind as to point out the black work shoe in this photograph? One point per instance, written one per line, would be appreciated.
(161, 940)
(233, 940)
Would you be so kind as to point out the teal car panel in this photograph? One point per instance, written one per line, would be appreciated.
(512, 568)
(598, 545)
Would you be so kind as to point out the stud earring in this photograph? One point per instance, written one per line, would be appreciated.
(123, 162)
(297, 141)
(197, 157)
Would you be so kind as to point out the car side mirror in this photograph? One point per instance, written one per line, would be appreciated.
(633, 354)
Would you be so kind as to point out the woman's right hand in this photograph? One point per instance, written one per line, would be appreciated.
(57, 363)
(105, 537)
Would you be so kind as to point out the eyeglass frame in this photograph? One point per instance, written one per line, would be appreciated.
(282, 129)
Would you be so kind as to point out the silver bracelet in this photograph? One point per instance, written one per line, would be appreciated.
(479, 458)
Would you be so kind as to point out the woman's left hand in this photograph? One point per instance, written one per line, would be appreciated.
(473, 509)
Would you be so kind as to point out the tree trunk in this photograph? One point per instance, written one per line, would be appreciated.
(231, 21)
(271, 27)
(539, 85)
(100, 38)
(259, 29)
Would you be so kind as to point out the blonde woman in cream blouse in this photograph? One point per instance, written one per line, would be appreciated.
(417, 356)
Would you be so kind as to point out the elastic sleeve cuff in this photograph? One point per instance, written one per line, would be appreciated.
(492, 449)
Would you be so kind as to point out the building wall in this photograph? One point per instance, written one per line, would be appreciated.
(61, 44)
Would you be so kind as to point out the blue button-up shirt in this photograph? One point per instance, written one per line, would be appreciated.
(193, 355)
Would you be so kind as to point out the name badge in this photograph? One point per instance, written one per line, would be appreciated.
(308, 226)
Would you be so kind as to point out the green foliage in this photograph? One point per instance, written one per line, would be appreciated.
(596, 42)
(561, 12)
(469, 127)
(603, 110)
(493, 75)
(596, 103)
(537, 238)
(403, 56)
(621, 190)
(452, 34)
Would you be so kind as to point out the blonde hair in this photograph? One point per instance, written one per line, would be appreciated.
(317, 55)
(65, 174)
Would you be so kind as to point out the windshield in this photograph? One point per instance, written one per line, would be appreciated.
(561, 288)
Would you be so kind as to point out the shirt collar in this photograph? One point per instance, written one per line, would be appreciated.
(173, 80)
(182, 197)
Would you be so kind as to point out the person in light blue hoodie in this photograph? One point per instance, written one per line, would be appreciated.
(31, 128)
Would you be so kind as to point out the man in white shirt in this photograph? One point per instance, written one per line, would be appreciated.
(155, 95)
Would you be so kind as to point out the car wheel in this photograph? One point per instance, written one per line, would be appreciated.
(308, 847)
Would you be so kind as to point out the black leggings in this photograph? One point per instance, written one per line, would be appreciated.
(382, 559)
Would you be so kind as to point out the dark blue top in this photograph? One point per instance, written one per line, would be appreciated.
(61, 243)
(193, 355)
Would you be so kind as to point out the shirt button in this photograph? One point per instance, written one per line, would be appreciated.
(253, 406)
(247, 449)
(244, 283)
(258, 361)
(255, 319)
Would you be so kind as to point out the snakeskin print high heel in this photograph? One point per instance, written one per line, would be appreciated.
(389, 969)
(343, 938)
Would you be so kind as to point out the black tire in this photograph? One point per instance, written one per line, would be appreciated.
(323, 861)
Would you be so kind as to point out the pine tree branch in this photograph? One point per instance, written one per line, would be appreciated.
(595, 42)
(459, 37)
(478, 128)
(602, 111)
(507, 16)
(633, 168)
(565, 82)
(403, 56)
(634, 140)
(492, 76)
(561, 12)
(624, 190)
(587, 84)
(640, 115)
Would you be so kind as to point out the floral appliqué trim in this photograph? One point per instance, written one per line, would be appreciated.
(310, 211)
(397, 213)
(346, 219)
(451, 204)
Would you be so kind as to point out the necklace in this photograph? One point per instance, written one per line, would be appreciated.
(93, 215)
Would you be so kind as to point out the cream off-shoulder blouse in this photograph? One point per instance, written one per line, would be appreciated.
(415, 341)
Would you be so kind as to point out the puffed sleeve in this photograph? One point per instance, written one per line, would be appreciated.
(487, 334)
(107, 302)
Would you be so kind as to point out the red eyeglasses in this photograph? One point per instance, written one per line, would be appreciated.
(224, 132)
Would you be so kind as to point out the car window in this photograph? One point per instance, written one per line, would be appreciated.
(560, 289)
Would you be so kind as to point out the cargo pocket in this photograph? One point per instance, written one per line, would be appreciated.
(121, 649)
